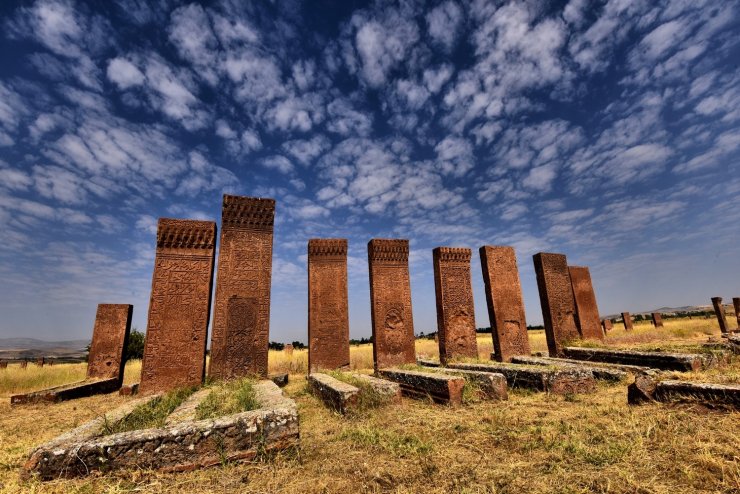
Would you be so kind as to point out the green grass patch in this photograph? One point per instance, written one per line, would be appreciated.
(399, 445)
(228, 398)
(152, 414)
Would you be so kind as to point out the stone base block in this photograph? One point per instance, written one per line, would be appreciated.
(442, 388)
(335, 394)
(68, 391)
(491, 385)
(183, 446)
(681, 362)
(388, 390)
(646, 388)
(129, 389)
(609, 374)
(279, 379)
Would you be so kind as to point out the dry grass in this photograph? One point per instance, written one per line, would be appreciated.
(532, 443)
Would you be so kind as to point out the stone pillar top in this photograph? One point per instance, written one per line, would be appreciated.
(185, 234)
(459, 254)
(327, 247)
(388, 250)
(248, 213)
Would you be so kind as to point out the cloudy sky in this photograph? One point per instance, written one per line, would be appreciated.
(606, 130)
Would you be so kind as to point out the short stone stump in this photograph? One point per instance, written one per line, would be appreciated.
(335, 394)
(609, 374)
(129, 389)
(442, 388)
(65, 392)
(681, 362)
(647, 388)
(181, 446)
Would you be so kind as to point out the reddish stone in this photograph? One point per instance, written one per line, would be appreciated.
(241, 313)
(719, 311)
(288, 349)
(455, 311)
(179, 308)
(607, 325)
(109, 341)
(556, 299)
(390, 303)
(328, 309)
(736, 305)
(587, 312)
(40, 361)
(627, 321)
(3, 365)
(657, 319)
(24, 364)
(505, 304)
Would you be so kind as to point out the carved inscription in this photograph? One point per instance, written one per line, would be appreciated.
(328, 309)
(587, 312)
(505, 305)
(627, 321)
(657, 319)
(390, 302)
(109, 341)
(174, 353)
(244, 272)
(556, 299)
(455, 312)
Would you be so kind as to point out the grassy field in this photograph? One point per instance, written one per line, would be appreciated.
(532, 443)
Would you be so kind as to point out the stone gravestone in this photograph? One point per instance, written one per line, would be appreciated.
(179, 307)
(607, 325)
(627, 321)
(587, 312)
(556, 299)
(390, 303)
(241, 310)
(40, 361)
(24, 364)
(455, 311)
(3, 364)
(110, 338)
(288, 349)
(505, 304)
(719, 311)
(736, 305)
(657, 320)
(328, 308)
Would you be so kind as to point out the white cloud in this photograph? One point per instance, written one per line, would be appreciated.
(454, 156)
(381, 46)
(279, 163)
(443, 23)
(124, 74)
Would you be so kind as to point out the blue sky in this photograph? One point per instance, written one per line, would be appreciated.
(604, 130)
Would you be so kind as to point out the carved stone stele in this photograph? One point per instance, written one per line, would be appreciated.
(627, 321)
(179, 308)
(109, 341)
(719, 311)
(657, 319)
(556, 299)
(587, 312)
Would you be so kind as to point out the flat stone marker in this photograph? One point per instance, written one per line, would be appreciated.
(587, 312)
(66, 392)
(657, 319)
(505, 304)
(388, 390)
(455, 312)
(335, 394)
(648, 388)
(607, 325)
(390, 302)
(556, 299)
(600, 373)
(736, 305)
(241, 313)
(719, 311)
(490, 385)
(110, 338)
(179, 308)
(627, 321)
(328, 308)
(442, 388)
(681, 362)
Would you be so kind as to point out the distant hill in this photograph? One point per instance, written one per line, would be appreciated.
(667, 310)
(31, 348)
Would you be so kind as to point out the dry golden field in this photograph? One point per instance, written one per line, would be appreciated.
(534, 442)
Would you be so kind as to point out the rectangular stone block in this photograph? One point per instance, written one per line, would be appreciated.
(648, 388)
(110, 338)
(179, 307)
(328, 308)
(335, 394)
(600, 373)
(607, 325)
(627, 321)
(556, 299)
(587, 312)
(387, 390)
(442, 388)
(657, 319)
(66, 392)
(682, 362)
(390, 302)
(241, 311)
(455, 312)
(719, 311)
(736, 306)
(490, 385)
(505, 303)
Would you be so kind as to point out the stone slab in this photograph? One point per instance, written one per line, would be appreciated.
(328, 307)
(681, 362)
(657, 319)
(129, 389)
(719, 312)
(627, 321)
(241, 309)
(505, 302)
(600, 373)
(107, 355)
(587, 311)
(490, 385)
(454, 297)
(441, 388)
(68, 391)
(179, 308)
(390, 302)
(556, 299)
(335, 394)
(647, 388)
(384, 388)
(607, 325)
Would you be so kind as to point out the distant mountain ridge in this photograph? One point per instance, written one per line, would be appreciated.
(35, 344)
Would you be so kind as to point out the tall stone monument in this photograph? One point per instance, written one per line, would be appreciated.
(736, 305)
(657, 319)
(587, 312)
(179, 307)
(607, 325)
(505, 303)
(390, 302)
(241, 312)
(556, 299)
(627, 321)
(110, 339)
(719, 311)
(455, 311)
(328, 308)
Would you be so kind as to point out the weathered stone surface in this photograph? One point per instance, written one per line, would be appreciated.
(736, 305)
(634, 369)
(648, 388)
(657, 319)
(288, 349)
(335, 394)
(600, 373)
(505, 303)
(110, 337)
(656, 360)
(388, 390)
(455, 311)
(607, 325)
(587, 312)
(627, 321)
(556, 381)
(186, 410)
(490, 385)
(129, 389)
(241, 312)
(179, 308)
(556, 299)
(719, 311)
(442, 388)
(328, 308)
(68, 391)
(180, 447)
(642, 390)
(279, 379)
(390, 302)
